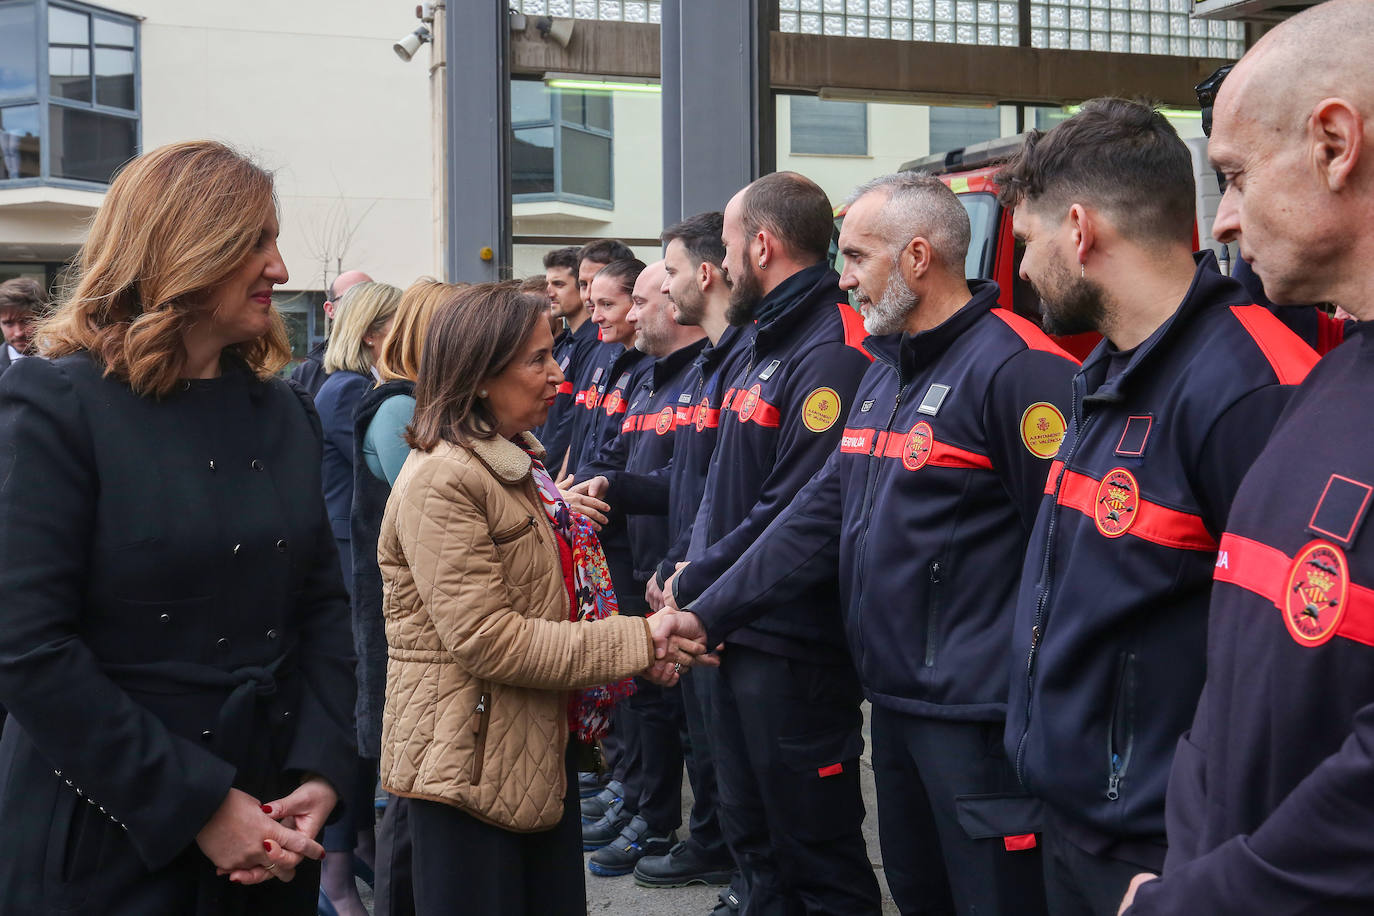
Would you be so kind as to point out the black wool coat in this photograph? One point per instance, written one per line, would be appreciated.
(172, 623)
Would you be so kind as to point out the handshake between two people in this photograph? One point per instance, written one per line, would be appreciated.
(679, 636)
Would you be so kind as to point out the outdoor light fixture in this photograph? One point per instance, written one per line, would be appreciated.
(405, 48)
(573, 81)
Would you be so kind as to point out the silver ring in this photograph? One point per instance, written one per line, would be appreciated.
(677, 667)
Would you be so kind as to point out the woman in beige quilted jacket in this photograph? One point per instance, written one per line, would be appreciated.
(501, 637)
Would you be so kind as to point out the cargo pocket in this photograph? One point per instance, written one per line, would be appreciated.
(1013, 819)
(821, 767)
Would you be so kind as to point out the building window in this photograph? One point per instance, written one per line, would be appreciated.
(955, 128)
(69, 115)
(826, 128)
(562, 144)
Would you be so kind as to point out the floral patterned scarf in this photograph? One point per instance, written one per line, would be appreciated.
(589, 712)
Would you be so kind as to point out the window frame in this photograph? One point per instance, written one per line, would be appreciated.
(558, 125)
(792, 132)
(44, 99)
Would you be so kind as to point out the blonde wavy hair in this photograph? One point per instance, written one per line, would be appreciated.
(176, 223)
(364, 309)
(400, 356)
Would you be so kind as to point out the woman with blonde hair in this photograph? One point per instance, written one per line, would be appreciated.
(505, 652)
(379, 450)
(361, 322)
(174, 644)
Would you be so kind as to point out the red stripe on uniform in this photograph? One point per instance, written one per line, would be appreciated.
(1265, 570)
(712, 417)
(1290, 358)
(854, 333)
(1032, 336)
(893, 445)
(1052, 480)
(764, 414)
(835, 769)
(1153, 522)
(1018, 843)
(1330, 333)
(565, 388)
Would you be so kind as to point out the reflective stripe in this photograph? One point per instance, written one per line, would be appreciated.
(1265, 571)
(1153, 522)
(1288, 356)
(893, 445)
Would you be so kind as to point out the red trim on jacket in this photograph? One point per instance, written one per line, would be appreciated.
(1153, 522)
(1265, 570)
(894, 445)
(854, 333)
(1034, 338)
(1290, 358)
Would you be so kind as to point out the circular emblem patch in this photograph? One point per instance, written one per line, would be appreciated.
(1042, 429)
(703, 409)
(1314, 601)
(612, 402)
(665, 421)
(1118, 497)
(821, 409)
(918, 444)
(751, 400)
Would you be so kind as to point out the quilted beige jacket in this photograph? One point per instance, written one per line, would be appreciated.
(481, 654)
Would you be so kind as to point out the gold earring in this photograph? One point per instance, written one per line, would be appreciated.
(482, 392)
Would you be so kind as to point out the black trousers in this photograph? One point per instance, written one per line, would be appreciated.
(947, 798)
(394, 891)
(787, 738)
(658, 732)
(697, 687)
(1079, 883)
(464, 865)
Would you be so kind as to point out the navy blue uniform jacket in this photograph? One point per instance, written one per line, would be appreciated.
(698, 422)
(1271, 800)
(572, 351)
(604, 380)
(1111, 621)
(636, 461)
(923, 512)
(781, 418)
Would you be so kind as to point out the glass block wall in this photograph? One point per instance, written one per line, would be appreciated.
(1133, 26)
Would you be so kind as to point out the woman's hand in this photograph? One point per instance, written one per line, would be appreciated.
(249, 846)
(304, 811)
(595, 509)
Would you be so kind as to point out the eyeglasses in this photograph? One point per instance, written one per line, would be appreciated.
(1207, 98)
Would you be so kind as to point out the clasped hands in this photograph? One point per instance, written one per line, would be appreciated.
(679, 636)
(250, 841)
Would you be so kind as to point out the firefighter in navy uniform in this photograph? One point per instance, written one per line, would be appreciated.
(1271, 799)
(1168, 412)
(922, 514)
(785, 727)
(630, 474)
(576, 338)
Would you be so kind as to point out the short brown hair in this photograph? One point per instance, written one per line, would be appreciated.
(472, 336)
(1116, 154)
(175, 224)
(21, 294)
(793, 208)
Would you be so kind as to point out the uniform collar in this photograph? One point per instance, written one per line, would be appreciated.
(1209, 289)
(908, 353)
(666, 367)
(793, 300)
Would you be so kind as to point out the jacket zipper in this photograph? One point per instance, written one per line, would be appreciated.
(506, 537)
(871, 486)
(482, 714)
(1046, 575)
(932, 614)
(1119, 752)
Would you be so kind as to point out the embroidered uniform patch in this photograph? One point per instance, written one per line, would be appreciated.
(768, 370)
(1314, 600)
(866, 406)
(821, 409)
(612, 401)
(665, 421)
(919, 442)
(751, 401)
(1042, 429)
(1118, 498)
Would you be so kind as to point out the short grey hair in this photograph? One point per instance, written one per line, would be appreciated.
(919, 204)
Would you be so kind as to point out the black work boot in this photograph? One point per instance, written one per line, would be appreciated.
(636, 840)
(683, 865)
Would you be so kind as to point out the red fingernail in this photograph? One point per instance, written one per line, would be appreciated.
(267, 844)
(266, 809)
